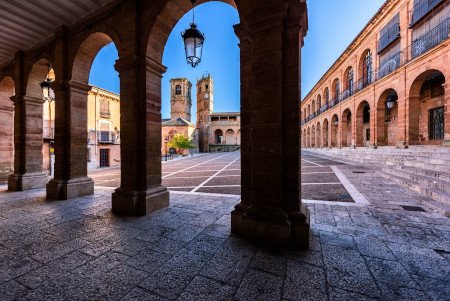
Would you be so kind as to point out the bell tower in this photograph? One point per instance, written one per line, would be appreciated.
(205, 98)
(180, 98)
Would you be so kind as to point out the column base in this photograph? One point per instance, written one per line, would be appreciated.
(21, 182)
(69, 189)
(402, 144)
(140, 202)
(269, 229)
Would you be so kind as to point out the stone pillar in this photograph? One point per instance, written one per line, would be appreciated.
(140, 190)
(402, 123)
(273, 214)
(71, 153)
(28, 159)
(413, 108)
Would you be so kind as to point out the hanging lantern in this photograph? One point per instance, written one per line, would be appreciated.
(193, 42)
(47, 91)
(336, 122)
(390, 103)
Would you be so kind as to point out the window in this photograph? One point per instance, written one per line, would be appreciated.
(206, 86)
(178, 90)
(389, 33)
(436, 124)
(350, 81)
(337, 89)
(432, 88)
(327, 96)
(367, 69)
(104, 109)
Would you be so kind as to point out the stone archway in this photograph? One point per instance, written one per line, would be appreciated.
(346, 124)
(387, 118)
(334, 131)
(218, 136)
(325, 132)
(313, 136)
(230, 137)
(7, 87)
(363, 116)
(308, 138)
(318, 135)
(428, 110)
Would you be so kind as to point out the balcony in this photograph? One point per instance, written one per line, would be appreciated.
(105, 114)
(391, 35)
(430, 39)
(106, 137)
(48, 133)
(390, 64)
(422, 9)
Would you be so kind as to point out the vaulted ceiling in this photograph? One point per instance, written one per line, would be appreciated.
(24, 23)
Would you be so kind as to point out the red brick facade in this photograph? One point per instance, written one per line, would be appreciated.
(410, 64)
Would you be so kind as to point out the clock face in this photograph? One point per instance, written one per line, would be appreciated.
(207, 96)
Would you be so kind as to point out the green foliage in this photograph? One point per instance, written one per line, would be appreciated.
(180, 141)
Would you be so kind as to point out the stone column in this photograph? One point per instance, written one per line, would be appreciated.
(402, 123)
(413, 108)
(71, 154)
(140, 190)
(273, 215)
(28, 158)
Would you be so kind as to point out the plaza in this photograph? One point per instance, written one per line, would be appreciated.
(388, 246)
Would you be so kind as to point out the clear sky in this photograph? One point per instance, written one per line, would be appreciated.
(220, 59)
(333, 24)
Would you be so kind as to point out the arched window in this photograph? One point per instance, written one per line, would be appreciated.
(337, 89)
(319, 102)
(178, 90)
(350, 81)
(314, 106)
(309, 110)
(327, 96)
(367, 69)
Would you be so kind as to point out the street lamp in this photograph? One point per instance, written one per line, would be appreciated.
(390, 103)
(193, 41)
(336, 122)
(166, 140)
(47, 91)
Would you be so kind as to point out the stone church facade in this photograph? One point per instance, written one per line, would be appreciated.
(390, 86)
(214, 131)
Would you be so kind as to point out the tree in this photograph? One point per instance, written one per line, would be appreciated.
(180, 141)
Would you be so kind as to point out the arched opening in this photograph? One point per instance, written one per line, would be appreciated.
(218, 136)
(313, 107)
(48, 131)
(230, 138)
(336, 92)
(238, 137)
(313, 136)
(346, 123)
(7, 90)
(365, 69)
(427, 109)
(309, 110)
(325, 133)
(319, 103)
(387, 118)
(349, 83)
(318, 135)
(326, 94)
(308, 138)
(334, 128)
(363, 124)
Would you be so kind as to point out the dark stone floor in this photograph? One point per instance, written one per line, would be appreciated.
(78, 250)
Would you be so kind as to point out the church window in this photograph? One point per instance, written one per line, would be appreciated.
(178, 90)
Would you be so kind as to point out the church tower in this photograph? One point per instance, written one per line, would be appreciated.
(205, 106)
(180, 98)
(205, 98)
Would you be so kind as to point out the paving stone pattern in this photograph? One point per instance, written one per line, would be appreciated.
(78, 250)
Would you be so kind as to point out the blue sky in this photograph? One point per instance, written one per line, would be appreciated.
(333, 24)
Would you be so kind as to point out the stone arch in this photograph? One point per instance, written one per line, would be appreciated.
(319, 102)
(230, 138)
(387, 118)
(363, 116)
(313, 106)
(318, 135)
(325, 132)
(309, 110)
(88, 49)
(326, 96)
(308, 137)
(334, 130)
(336, 91)
(313, 136)
(346, 128)
(349, 81)
(38, 74)
(218, 136)
(7, 90)
(428, 108)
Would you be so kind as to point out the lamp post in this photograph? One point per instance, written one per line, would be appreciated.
(166, 140)
(193, 41)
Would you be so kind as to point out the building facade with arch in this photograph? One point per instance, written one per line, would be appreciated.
(390, 86)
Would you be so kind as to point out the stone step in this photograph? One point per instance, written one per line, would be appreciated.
(423, 180)
(441, 175)
(440, 199)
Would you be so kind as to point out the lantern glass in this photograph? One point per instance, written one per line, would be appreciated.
(47, 91)
(193, 45)
(390, 104)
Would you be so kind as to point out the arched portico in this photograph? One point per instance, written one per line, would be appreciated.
(387, 128)
(325, 133)
(363, 124)
(334, 128)
(346, 125)
(318, 135)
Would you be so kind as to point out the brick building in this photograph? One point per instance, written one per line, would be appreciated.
(390, 86)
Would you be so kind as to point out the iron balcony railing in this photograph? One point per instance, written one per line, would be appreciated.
(392, 34)
(421, 9)
(430, 39)
(48, 133)
(106, 137)
(418, 47)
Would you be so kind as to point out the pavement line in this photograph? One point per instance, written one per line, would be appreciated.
(312, 162)
(197, 177)
(207, 194)
(174, 173)
(354, 193)
(331, 203)
(206, 181)
(331, 183)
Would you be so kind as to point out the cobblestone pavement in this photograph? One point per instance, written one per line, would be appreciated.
(78, 250)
